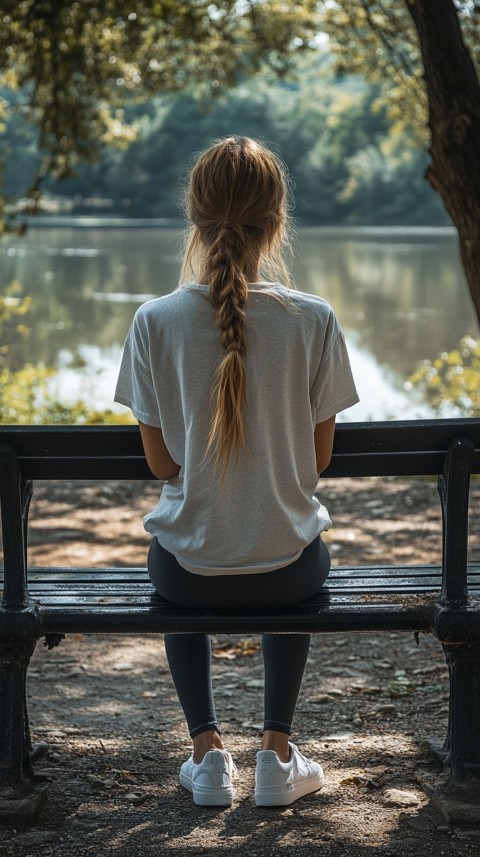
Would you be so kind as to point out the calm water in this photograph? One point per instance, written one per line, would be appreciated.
(399, 294)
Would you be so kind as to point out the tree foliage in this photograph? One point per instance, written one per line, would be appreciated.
(377, 39)
(431, 48)
(452, 379)
(75, 65)
(348, 165)
(27, 395)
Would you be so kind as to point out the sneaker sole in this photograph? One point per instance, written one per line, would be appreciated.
(204, 796)
(283, 796)
(212, 797)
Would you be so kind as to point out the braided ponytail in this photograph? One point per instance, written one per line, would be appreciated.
(228, 294)
(237, 206)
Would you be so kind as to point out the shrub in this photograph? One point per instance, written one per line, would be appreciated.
(453, 378)
(26, 395)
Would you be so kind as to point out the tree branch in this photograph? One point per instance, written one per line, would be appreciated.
(391, 45)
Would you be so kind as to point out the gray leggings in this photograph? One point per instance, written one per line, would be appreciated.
(284, 655)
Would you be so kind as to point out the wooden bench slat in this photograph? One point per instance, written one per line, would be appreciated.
(337, 573)
(346, 616)
(404, 585)
(412, 447)
(58, 593)
(53, 586)
(148, 598)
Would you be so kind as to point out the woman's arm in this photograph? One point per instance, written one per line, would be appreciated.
(324, 443)
(158, 457)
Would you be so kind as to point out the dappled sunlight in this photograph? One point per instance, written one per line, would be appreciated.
(396, 519)
(366, 702)
(376, 519)
(108, 709)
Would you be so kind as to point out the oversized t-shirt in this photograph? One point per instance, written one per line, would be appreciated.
(298, 374)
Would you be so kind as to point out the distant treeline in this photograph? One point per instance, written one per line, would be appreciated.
(348, 163)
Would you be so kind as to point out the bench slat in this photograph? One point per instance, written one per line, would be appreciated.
(140, 572)
(48, 594)
(132, 619)
(59, 587)
(412, 447)
(421, 463)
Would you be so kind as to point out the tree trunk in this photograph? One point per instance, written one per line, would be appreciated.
(454, 120)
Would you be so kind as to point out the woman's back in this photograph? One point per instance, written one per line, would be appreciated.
(262, 512)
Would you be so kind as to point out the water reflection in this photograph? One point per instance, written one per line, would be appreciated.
(405, 300)
(400, 296)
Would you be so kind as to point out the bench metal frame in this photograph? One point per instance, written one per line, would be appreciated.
(53, 602)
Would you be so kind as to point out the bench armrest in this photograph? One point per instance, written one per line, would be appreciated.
(454, 488)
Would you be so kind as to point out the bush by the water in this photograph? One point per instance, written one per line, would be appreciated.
(452, 378)
(27, 396)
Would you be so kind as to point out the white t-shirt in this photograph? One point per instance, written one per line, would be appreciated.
(298, 375)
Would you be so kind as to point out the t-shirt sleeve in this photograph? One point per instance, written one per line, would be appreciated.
(135, 387)
(334, 388)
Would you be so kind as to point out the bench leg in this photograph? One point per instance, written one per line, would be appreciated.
(462, 746)
(19, 800)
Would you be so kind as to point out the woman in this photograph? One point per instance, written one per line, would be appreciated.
(235, 380)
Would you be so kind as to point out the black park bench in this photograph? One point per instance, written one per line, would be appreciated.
(52, 602)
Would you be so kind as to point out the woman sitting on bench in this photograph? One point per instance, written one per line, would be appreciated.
(235, 380)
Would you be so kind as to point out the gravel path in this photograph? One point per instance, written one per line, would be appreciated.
(108, 709)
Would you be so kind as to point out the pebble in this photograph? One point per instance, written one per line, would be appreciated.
(388, 708)
(93, 833)
(399, 797)
(135, 797)
(338, 736)
(94, 780)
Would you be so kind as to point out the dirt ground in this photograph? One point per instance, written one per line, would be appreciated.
(108, 710)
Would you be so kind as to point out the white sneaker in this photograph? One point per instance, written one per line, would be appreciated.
(280, 783)
(211, 780)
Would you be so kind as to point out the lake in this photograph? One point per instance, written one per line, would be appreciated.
(399, 294)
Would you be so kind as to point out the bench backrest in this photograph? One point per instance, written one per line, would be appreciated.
(449, 449)
(413, 447)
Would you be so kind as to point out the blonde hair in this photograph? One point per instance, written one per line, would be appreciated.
(236, 202)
